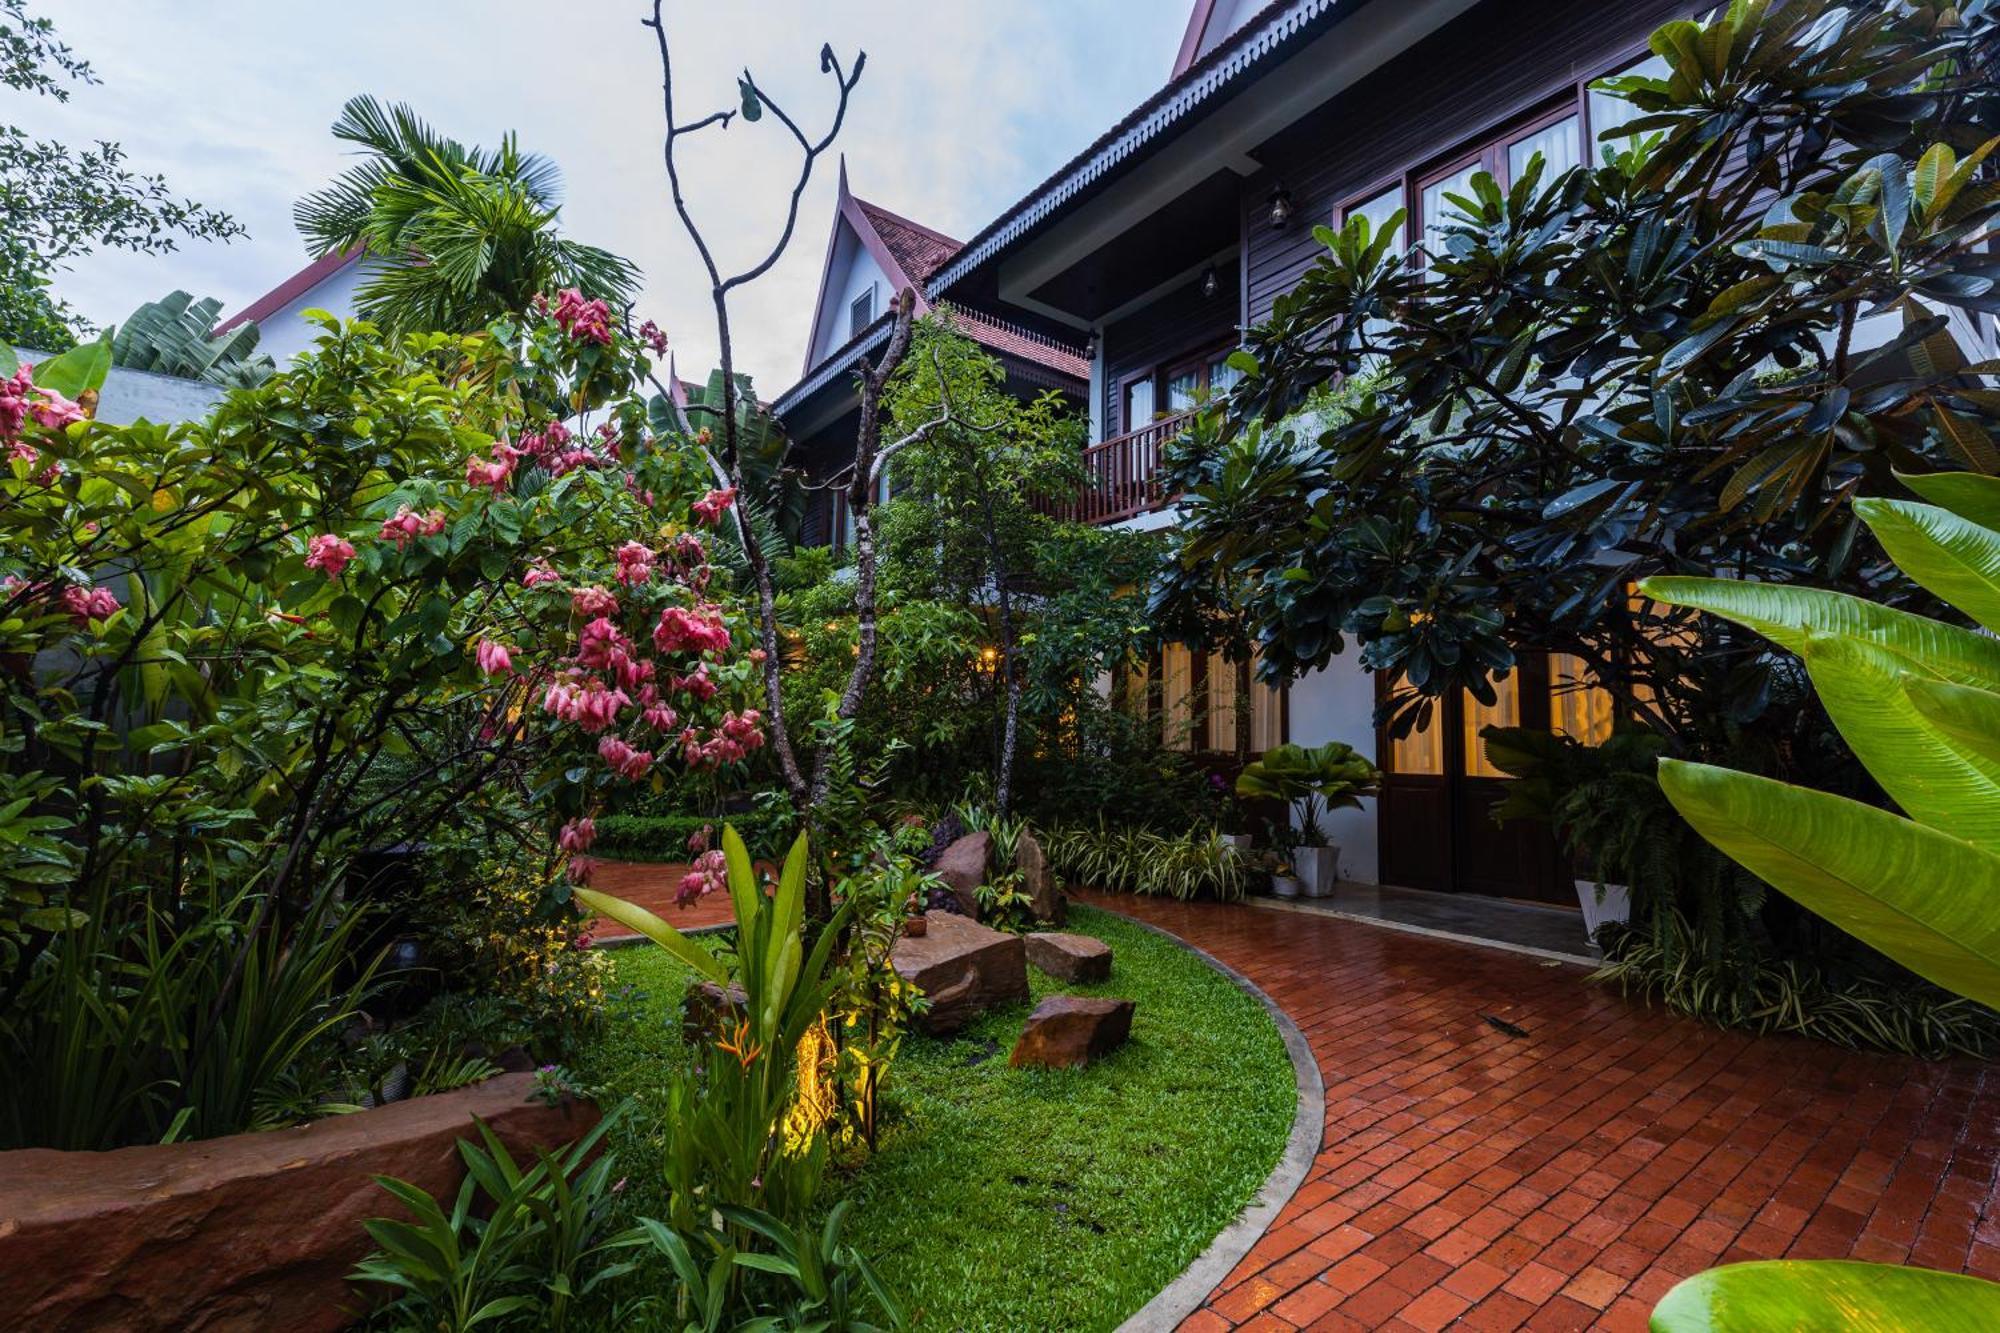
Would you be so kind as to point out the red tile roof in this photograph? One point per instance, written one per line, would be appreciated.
(919, 250)
(997, 336)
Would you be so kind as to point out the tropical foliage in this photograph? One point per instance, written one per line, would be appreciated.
(456, 236)
(1315, 781)
(1680, 359)
(1919, 702)
(174, 336)
(387, 590)
(1135, 859)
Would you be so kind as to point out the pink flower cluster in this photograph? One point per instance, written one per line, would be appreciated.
(699, 630)
(585, 701)
(493, 658)
(735, 738)
(593, 601)
(708, 510)
(538, 574)
(577, 835)
(493, 473)
(585, 321)
(654, 337)
(87, 604)
(14, 401)
(708, 874)
(406, 526)
(635, 564)
(329, 554)
(624, 760)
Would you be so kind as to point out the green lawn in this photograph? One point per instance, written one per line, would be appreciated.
(1015, 1199)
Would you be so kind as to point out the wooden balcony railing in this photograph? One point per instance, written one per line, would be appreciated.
(1122, 475)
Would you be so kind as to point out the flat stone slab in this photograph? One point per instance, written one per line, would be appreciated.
(1072, 958)
(1069, 1031)
(249, 1232)
(963, 967)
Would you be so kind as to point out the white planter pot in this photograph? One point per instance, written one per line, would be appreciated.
(1614, 905)
(1284, 886)
(1319, 869)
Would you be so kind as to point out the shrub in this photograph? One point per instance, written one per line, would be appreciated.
(1138, 860)
(665, 837)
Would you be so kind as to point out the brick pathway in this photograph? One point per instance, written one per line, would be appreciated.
(652, 887)
(1566, 1179)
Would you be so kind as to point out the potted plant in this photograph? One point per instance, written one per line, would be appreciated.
(1313, 782)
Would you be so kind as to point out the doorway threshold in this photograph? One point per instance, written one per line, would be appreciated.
(1494, 923)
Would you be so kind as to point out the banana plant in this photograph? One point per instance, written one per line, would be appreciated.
(1829, 1294)
(1918, 701)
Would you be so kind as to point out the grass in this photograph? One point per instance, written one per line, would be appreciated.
(1011, 1199)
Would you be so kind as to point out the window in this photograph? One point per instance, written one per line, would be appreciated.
(1558, 145)
(1378, 209)
(1421, 753)
(1138, 402)
(1579, 707)
(1177, 696)
(1609, 112)
(1434, 204)
(1504, 711)
(1197, 702)
(862, 312)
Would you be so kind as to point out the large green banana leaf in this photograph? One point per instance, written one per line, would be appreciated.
(1929, 772)
(1834, 1295)
(1952, 556)
(1921, 896)
(656, 930)
(1785, 615)
(1967, 494)
(1970, 717)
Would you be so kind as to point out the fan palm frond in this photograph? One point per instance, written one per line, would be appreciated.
(460, 235)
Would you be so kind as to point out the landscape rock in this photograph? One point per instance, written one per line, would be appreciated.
(705, 1007)
(1069, 1031)
(963, 967)
(1066, 957)
(1051, 905)
(249, 1232)
(964, 866)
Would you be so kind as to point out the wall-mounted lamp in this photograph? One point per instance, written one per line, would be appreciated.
(1092, 346)
(1281, 208)
(1210, 284)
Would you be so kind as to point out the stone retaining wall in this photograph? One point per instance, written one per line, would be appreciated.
(254, 1231)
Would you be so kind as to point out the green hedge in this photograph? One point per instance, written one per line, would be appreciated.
(665, 837)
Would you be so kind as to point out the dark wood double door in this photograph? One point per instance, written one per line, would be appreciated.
(1436, 825)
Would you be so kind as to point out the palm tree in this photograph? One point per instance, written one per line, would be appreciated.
(457, 236)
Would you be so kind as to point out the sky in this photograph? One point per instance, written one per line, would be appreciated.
(963, 107)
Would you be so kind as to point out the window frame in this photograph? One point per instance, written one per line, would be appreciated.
(1488, 147)
(1206, 355)
(854, 327)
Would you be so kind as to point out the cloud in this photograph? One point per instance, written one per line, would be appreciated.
(962, 108)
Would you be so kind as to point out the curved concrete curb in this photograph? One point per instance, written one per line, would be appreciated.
(1184, 1295)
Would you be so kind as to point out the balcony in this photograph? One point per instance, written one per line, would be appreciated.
(1122, 475)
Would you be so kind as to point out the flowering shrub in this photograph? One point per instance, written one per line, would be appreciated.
(466, 559)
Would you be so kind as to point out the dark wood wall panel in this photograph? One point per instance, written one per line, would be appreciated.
(1498, 61)
(1175, 324)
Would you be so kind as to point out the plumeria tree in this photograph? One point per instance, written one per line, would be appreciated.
(362, 598)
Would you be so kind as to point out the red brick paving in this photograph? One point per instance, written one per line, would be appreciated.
(652, 887)
(1467, 1179)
